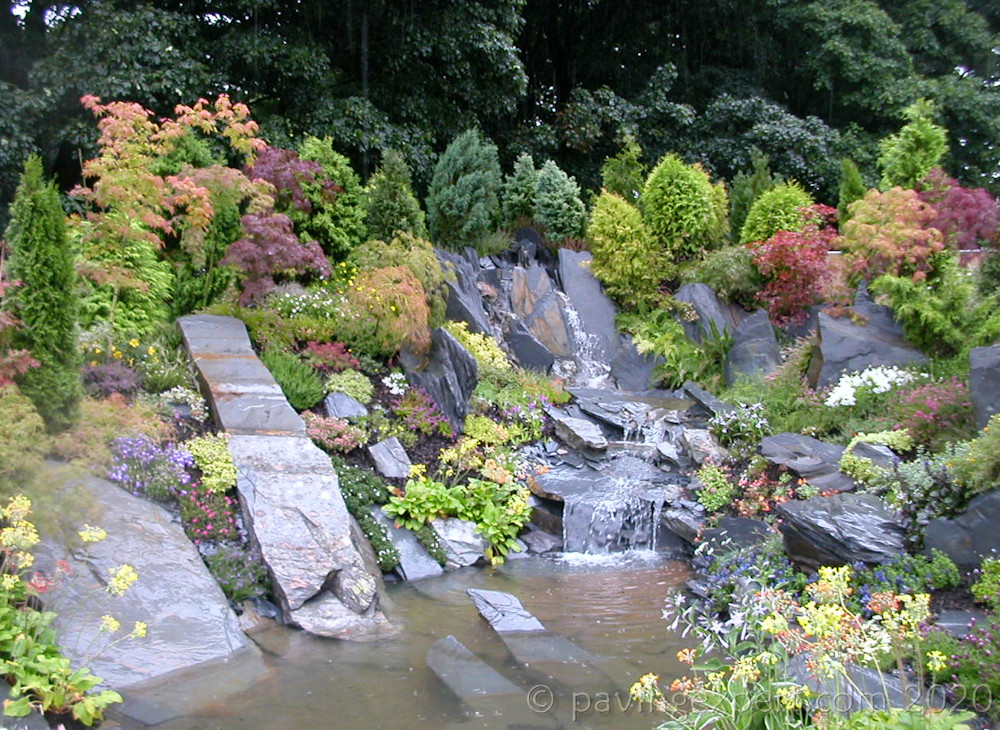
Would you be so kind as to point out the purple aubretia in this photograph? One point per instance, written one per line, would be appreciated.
(145, 468)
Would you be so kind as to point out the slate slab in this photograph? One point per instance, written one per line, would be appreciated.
(503, 611)
(984, 382)
(391, 459)
(414, 560)
(970, 536)
(815, 461)
(754, 351)
(448, 373)
(462, 545)
(710, 312)
(343, 406)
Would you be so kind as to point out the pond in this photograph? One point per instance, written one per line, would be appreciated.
(610, 606)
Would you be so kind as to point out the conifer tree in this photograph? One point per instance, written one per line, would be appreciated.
(517, 195)
(46, 301)
(852, 188)
(390, 203)
(462, 201)
(558, 206)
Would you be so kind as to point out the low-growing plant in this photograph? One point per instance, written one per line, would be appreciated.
(213, 460)
(968, 665)
(864, 470)
(730, 272)
(361, 489)
(419, 413)
(353, 383)
(978, 469)
(239, 571)
(935, 412)
(422, 500)
(300, 384)
(145, 468)
(334, 435)
(659, 333)
(169, 400)
(330, 357)
(490, 359)
(486, 431)
(105, 378)
(23, 439)
(741, 429)
(208, 517)
(717, 489)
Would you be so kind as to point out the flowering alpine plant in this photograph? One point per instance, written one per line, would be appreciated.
(875, 380)
(148, 469)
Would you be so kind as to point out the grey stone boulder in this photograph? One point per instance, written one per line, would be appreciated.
(448, 373)
(189, 620)
(839, 530)
(705, 401)
(579, 433)
(539, 542)
(970, 536)
(294, 511)
(414, 560)
(815, 461)
(462, 545)
(465, 302)
(754, 350)
(684, 518)
(631, 370)
(503, 612)
(391, 460)
(536, 303)
(984, 382)
(725, 318)
(343, 406)
(526, 349)
(735, 533)
(701, 446)
(846, 346)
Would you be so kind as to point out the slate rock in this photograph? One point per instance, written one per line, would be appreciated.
(866, 688)
(539, 542)
(343, 406)
(448, 373)
(735, 533)
(189, 620)
(815, 461)
(536, 304)
(465, 302)
(754, 350)
(579, 433)
(685, 519)
(462, 545)
(293, 508)
(984, 382)
(701, 446)
(707, 402)
(526, 349)
(503, 612)
(631, 370)
(710, 311)
(839, 530)
(845, 346)
(414, 560)
(33, 721)
(669, 453)
(595, 310)
(391, 460)
(970, 536)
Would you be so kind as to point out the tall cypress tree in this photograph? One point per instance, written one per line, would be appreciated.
(46, 301)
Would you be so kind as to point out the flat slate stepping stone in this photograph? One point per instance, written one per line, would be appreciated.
(503, 611)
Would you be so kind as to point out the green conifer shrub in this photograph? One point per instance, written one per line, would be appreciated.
(906, 157)
(852, 188)
(337, 221)
(777, 209)
(746, 188)
(625, 173)
(390, 204)
(630, 268)
(462, 201)
(299, 382)
(46, 302)
(23, 441)
(517, 194)
(558, 206)
(679, 207)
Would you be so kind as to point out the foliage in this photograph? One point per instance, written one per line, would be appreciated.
(776, 209)
(23, 440)
(864, 470)
(300, 384)
(239, 572)
(485, 430)
(624, 174)
(741, 429)
(423, 499)
(417, 254)
(746, 188)
(517, 193)
(966, 217)
(978, 469)
(390, 204)
(889, 233)
(660, 333)
(212, 458)
(716, 490)
(934, 412)
(329, 356)
(491, 361)
(197, 409)
(557, 204)
(625, 260)
(462, 198)
(336, 221)
(361, 489)
(385, 311)
(144, 468)
(352, 382)
(333, 435)
(420, 414)
(208, 517)
(986, 589)
(907, 156)
(13, 362)
(30, 658)
(852, 188)
(268, 249)
(730, 272)
(794, 266)
(46, 300)
(852, 386)
(970, 670)
(679, 207)
(114, 376)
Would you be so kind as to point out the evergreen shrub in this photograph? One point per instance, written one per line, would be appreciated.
(462, 201)
(777, 209)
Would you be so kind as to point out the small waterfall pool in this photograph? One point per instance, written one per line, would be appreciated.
(608, 605)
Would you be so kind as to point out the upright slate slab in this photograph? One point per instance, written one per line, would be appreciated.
(754, 350)
(448, 373)
(846, 346)
(242, 394)
(465, 302)
(984, 382)
(414, 561)
(535, 302)
(710, 311)
(971, 536)
(189, 620)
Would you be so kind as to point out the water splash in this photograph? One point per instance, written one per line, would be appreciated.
(590, 371)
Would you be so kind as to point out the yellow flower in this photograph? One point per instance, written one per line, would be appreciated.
(792, 695)
(110, 624)
(117, 354)
(89, 533)
(936, 661)
(133, 342)
(774, 624)
(9, 582)
(122, 578)
(150, 350)
(139, 630)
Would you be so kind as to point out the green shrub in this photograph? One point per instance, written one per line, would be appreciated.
(353, 383)
(625, 173)
(490, 359)
(417, 254)
(659, 333)
(299, 382)
(987, 588)
(864, 470)
(746, 188)
(46, 301)
(625, 260)
(336, 222)
(777, 209)
(979, 470)
(517, 194)
(23, 441)
(681, 209)
(239, 572)
(485, 430)
(852, 188)
(361, 489)
(557, 204)
(212, 457)
(383, 312)
(907, 156)
(462, 201)
(389, 200)
(730, 272)
(717, 489)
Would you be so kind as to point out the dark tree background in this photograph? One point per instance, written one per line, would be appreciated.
(805, 81)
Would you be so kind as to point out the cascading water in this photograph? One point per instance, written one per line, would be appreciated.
(590, 372)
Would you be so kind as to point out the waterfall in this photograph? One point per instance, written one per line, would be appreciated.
(591, 372)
